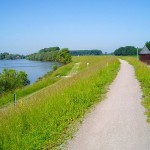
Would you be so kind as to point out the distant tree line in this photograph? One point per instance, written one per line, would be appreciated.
(7, 56)
(85, 52)
(126, 51)
(52, 54)
(11, 79)
(50, 49)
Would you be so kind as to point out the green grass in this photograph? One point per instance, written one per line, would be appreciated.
(44, 120)
(47, 80)
(142, 72)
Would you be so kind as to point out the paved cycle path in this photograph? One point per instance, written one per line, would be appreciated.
(118, 122)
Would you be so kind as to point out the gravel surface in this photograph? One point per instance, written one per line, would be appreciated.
(118, 122)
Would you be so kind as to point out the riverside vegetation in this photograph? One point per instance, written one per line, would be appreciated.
(44, 119)
(52, 54)
(48, 79)
(10, 80)
(7, 56)
(142, 72)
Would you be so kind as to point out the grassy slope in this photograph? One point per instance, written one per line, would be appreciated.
(44, 82)
(44, 119)
(142, 72)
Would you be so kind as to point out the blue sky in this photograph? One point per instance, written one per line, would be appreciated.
(29, 25)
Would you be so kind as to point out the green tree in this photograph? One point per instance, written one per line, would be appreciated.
(126, 51)
(49, 49)
(22, 79)
(11, 79)
(64, 56)
(148, 45)
(52, 54)
(8, 56)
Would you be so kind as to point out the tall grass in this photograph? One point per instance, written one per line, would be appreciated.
(142, 72)
(44, 120)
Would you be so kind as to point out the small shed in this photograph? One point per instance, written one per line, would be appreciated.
(145, 55)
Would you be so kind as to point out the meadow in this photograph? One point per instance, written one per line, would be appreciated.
(142, 72)
(47, 118)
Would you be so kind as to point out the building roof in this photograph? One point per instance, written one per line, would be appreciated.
(145, 50)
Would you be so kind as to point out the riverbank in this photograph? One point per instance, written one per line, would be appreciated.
(45, 81)
(44, 119)
(34, 69)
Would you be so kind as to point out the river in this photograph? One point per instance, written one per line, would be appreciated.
(34, 69)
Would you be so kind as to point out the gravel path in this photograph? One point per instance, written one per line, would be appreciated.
(118, 122)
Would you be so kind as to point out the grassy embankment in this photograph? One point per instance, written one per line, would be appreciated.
(142, 72)
(47, 80)
(44, 120)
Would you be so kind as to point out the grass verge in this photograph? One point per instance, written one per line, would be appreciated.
(43, 121)
(142, 72)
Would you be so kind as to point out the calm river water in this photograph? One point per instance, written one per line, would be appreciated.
(34, 69)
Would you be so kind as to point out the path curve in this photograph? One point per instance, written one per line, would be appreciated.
(118, 122)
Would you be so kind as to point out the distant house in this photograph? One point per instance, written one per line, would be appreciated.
(17, 57)
(145, 55)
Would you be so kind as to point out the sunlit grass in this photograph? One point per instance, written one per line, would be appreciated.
(43, 120)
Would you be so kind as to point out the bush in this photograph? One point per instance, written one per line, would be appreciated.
(10, 80)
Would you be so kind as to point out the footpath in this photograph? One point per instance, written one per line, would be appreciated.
(118, 122)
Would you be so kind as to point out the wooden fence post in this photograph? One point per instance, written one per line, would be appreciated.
(15, 100)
